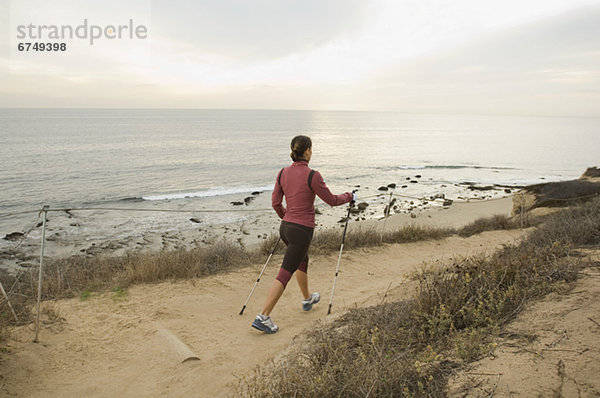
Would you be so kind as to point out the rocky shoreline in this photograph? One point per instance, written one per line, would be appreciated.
(73, 233)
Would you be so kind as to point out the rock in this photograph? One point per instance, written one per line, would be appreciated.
(438, 196)
(362, 206)
(448, 202)
(317, 211)
(14, 236)
(407, 178)
(196, 220)
(255, 193)
(382, 188)
(391, 186)
(387, 208)
(248, 200)
(554, 194)
(507, 190)
(413, 215)
(592, 173)
(414, 182)
(354, 210)
(483, 188)
(237, 203)
(404, 186)
(418, 176)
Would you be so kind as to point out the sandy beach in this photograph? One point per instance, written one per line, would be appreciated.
(114, 233)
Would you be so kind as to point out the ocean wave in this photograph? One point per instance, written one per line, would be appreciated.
(220, 191)
(442, 166)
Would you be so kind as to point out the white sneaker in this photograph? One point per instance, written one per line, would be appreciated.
(265, 324)
(308, 303)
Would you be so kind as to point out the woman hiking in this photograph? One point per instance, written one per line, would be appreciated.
(299, 184)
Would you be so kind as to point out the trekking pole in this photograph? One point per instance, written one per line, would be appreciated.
(337, 269)
(259, 276)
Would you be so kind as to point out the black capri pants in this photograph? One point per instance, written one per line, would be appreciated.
(297, 239)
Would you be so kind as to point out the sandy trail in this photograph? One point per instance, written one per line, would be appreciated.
(110, 347)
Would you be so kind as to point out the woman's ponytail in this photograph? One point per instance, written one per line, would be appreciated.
(299, 145)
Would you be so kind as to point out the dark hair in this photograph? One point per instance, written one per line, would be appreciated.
(299, 145)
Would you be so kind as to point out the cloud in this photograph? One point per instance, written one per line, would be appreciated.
(414, 55)
(242, 29)
(548, 66)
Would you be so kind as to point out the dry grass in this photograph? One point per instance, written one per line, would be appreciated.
(80, 276)
(409, 348)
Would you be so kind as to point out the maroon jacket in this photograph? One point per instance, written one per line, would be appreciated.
(299, 197)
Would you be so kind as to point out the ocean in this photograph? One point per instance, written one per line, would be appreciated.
(205, 159)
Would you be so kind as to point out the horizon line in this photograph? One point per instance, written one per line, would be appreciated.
(463, 113)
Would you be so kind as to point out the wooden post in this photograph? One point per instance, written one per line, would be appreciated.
(522, 209)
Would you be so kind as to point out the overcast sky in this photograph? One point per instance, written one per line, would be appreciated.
(468, 56)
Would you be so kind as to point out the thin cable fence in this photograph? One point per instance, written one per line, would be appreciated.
(69, 209)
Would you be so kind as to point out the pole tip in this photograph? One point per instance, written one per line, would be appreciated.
(242, 311)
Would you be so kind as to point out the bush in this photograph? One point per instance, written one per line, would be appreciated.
(409, 348)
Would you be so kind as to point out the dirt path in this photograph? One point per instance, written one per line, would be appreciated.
(109, 346)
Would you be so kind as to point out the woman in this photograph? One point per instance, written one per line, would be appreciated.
(298, 184)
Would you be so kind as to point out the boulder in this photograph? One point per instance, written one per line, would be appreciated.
(382, 188)
(555, 194)
(481, 188)
(592, 174)
(196, 220)
(248, 199)
(14, 236)
(391, 186)
(235, 203)
(362, 206)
